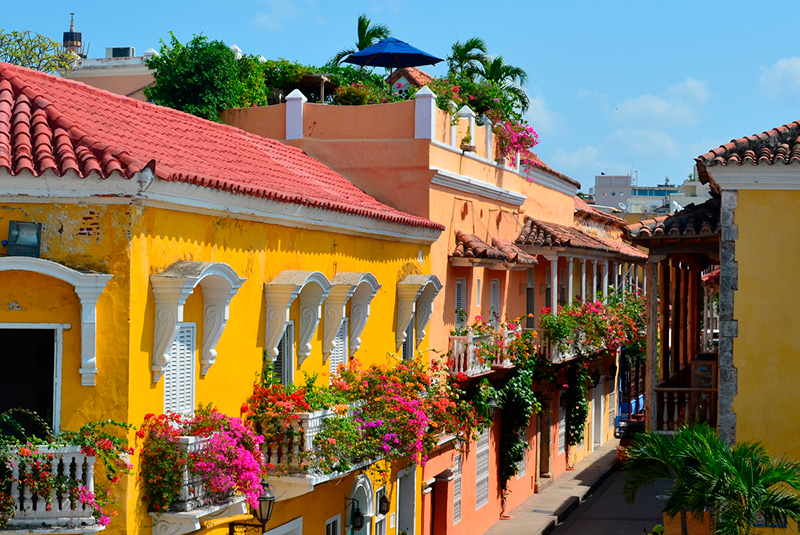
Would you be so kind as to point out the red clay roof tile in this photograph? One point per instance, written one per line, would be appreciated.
(693, 221)
(471, 246)
(585, 211)
(547, 234)
(415, 76)
(53, 124)
(779, 145)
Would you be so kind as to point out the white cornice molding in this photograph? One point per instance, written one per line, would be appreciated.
(144, 190)
(549, 181)
(88, 286)
(466, 184)
(172, 287)
(757, 177)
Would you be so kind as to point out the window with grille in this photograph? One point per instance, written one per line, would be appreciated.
(332, 526)
(522, 465)
(482, 471)
(408, 345)
(461, 303)
(494, 301)
(380, 520)
(562, 424)
(283, 365)
(457, 489)
(179, 374)
(339, 353)
(530, 298)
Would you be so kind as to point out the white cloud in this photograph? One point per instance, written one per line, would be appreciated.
(544, 121)
(679, 106)
(278, 12)
(782, 79)
(645, 143)
(576, 159)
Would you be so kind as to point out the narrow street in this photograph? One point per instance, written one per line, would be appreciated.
(606, 513)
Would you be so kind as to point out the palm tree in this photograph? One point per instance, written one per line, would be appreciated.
(368, 35)
(467, 57)
(736, 484)
(509, 78)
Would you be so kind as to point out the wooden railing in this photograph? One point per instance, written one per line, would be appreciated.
(66, 510)
(678, 406)
(294, 450)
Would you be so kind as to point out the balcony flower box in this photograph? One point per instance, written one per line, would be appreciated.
(66, 511)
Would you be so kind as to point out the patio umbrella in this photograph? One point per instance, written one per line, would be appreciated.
(393, 54)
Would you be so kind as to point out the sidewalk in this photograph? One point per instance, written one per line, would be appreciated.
(540, 513)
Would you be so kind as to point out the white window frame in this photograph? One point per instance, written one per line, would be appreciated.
(287, 339)
(338, 521)
(479, 287)
(192, 327)
(408, 345)
(380, 519)
(482, 447)
(59, 329)
(460, 293)
(344, 329)
(494, 301)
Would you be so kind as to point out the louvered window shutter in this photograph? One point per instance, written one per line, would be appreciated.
(408, 345)
(461, 303)
(612, 407)
(457, 490)
(179, 374)
(562, 425)
(339, 353)
(522, 465)
(482, 471)
(277, 364)
(494, 300)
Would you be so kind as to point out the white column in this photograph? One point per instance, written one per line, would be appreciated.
(488, 130)
(624, 276)
(294, 114)
(466, 113)
(569, 280)
(425, 114)
(554, 283)
(583, 279)
(519, 159)
(605, 279)
(594, 280)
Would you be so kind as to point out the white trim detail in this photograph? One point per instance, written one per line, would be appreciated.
(760, 177)
(172, 287)
(466, 184)
(88, 286)
(145, 190)
(357, 288)
(294, 114)
(363, 482)
(415, 295)
(425, 114)
(292, 527)
(281, 293)
(170, 523)
(549, 181)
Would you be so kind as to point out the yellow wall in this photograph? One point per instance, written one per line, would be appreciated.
(766, 352)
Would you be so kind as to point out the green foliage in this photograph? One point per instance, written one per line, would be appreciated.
(466, 58)
(558, 329)
(340, 445)
(34, 51)
(204, 77)
(577, 409)
(367, 35)
(355, 95)
(321, 397)
(279, 73)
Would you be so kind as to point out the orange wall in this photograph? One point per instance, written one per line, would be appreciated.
(379, 121)
(269, 122)
(127, 85)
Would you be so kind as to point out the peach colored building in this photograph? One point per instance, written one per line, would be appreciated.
(516, 239)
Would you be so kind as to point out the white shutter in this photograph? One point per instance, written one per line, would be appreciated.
(562, 425)
(457, 489)
(494, 301)
(408, 345)
(339, 353)
(179, 374)
(482, 471)
(461, 302)
(612, 407)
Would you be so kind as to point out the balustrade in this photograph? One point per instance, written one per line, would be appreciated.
(678, 406)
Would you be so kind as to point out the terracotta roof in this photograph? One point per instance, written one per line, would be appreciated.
(53, 124)
(535, 161)
(586, 211)
(414, 76)
(471, 246)
(712, 278)
(693, 221)
(546, 234)
(779, 145)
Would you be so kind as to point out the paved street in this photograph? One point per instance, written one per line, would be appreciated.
(605, 513)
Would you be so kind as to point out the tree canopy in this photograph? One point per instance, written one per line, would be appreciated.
(35, 51)
(368, 34)
(204, 77)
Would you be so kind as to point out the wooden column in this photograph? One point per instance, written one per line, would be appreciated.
(663, 291)
(683, 320)
(594, 280)
(674, 301)
(693, 334)
(651, 379)
(583, 279)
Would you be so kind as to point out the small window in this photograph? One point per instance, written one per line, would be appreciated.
(380, 520)
(482, 470)
(494, 301)
(562, 424)
(479, 288)
(332, 526)
(283, 366)
(340, 348)
(461, 303)
(179, 374)
(457, 489)
(530, 298)
(522, 466)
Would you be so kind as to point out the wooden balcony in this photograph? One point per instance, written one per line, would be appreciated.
(67, 513)
(679, 406)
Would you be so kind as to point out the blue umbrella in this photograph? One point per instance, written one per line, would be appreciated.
(393, 54)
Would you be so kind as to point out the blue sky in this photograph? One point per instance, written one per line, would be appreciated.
(615, 86)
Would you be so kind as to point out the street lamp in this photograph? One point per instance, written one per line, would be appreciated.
(356, 516)
(383, 505)
(262, 513)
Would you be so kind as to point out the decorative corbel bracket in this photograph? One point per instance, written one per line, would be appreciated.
(408, 292)
(425, 308)
(312, 287)
(365, 291)
(172, 287)
(359, 289)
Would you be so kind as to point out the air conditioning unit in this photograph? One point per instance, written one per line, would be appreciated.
(121, 52)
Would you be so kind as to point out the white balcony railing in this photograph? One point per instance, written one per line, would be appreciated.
(679, 406)
(475, 355)
(66, 511)
(296, 448)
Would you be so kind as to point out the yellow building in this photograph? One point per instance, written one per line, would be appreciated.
(155, 258)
